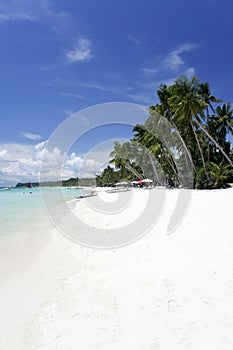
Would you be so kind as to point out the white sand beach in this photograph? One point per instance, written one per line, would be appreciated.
(160, 292)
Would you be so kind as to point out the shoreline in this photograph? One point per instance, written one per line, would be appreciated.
(162, 291)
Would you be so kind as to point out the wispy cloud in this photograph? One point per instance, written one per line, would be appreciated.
(173, 61)
(81, 52)
(163, 69)
(68, 112)
(170, 63)
(142, 88)
(189, 72)
(149, 72)
(34, 137)
(70, 94)
(11, 17)
(24, 10)
(44, 68)
(134, 39)
(94, 86)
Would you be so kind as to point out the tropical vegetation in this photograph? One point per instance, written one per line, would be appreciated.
(184, 142)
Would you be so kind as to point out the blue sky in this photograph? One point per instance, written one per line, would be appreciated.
(58, 57)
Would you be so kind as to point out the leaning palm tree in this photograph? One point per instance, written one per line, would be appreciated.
(158, 141)
(217, 145)
(118, 158)
(205, 93)
(124, 156)
(147, 140)
(188, 108)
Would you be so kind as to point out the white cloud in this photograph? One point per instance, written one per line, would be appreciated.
(189, 72)
(186, 48)
(34, 137)
(134, 39)
(44, 68)
(163, 69)
(24, 10)
(11, 17)
(94, 86)
(40, 146)
(68, 112)
(69, 94)
(82, 51)
(75, 165)
(22, 163)
(173, 61)
(150, 72)
(3, 154)
(74, 160)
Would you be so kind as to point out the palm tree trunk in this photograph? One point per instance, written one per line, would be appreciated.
(172, 166)
(187, 152)
(134, 171)
(208, 145)
(155, 173)
(200, 150)
(215, 142)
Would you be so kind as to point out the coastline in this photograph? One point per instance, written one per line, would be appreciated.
(162, 291)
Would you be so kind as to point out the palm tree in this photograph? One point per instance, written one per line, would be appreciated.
(157, 152)
(186, 100)
(224, 121)
(188, 107)
(164, 109)
(144, 140)
(125, 158)
(217, 145)
(118, 157)
(205, 93)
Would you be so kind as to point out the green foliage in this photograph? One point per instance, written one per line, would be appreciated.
(219, 174)
(186, 104)
(108, 177)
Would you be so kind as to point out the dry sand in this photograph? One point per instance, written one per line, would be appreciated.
(161, 292)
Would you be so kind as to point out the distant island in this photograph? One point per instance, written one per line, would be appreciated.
(64, 183)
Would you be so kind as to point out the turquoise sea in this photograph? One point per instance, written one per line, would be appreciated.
(21, 206)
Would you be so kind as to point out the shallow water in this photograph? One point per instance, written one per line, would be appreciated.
(21, 206)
